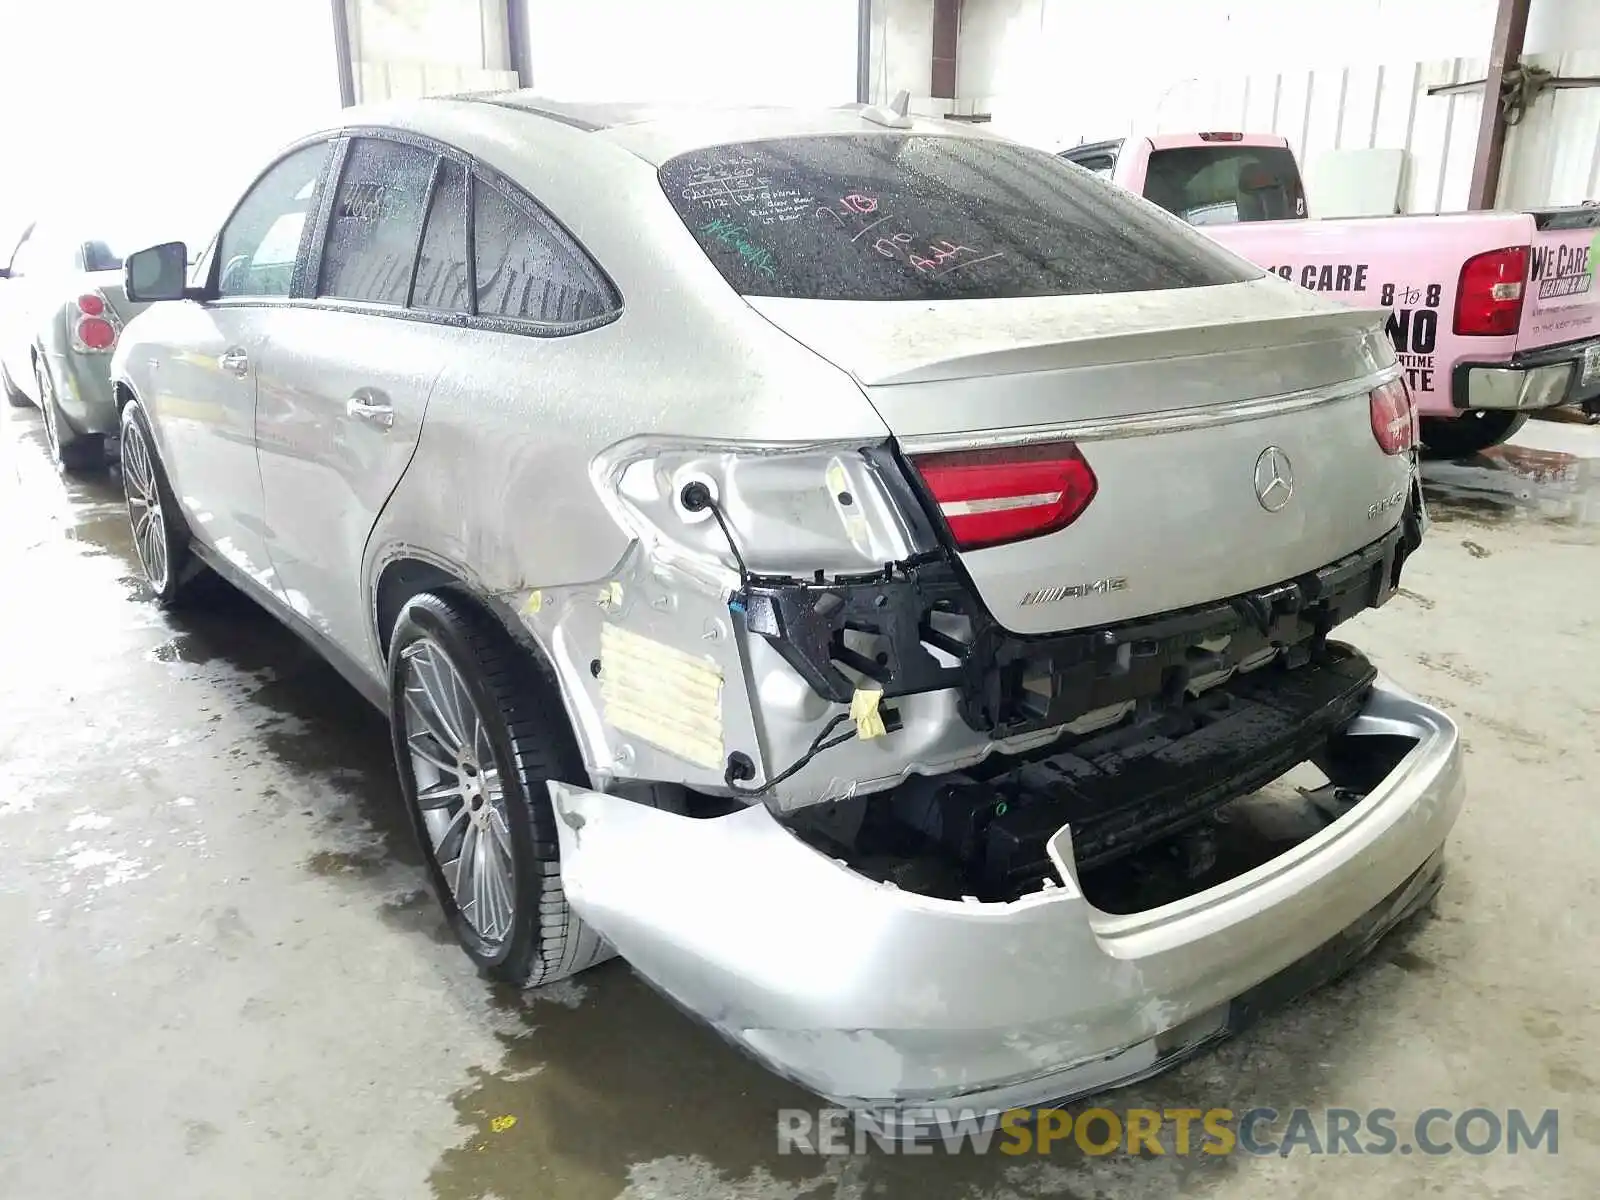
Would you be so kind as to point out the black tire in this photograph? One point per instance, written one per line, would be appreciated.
(138, 456)
(1470, 433)
(73, 452)
(15, 396)
(525, 725)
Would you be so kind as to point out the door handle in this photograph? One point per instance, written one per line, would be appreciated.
(235, 361)
(370, 406)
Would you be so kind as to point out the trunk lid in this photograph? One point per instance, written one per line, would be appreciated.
(1562, 303)
(1184, 403)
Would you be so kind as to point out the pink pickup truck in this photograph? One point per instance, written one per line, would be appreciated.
(1493, 314)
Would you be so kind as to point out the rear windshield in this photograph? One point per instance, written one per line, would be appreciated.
(923, 217)
(1223, 185)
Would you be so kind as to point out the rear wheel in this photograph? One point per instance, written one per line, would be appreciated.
(160, 534)
(1458, 437)
(69, 450)
(478, 732)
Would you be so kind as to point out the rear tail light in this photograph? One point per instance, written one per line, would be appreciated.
(1394, 418)
(1222, 137)
(1008, 493)
(1489, 298)
(94, 324)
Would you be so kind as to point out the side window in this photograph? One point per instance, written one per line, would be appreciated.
(441, 284)
(377, 218)
(258, 245)
(527, 267)
(1100, 164)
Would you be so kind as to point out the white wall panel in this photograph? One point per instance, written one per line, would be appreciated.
(902, 48)
(1350, 75)
(158, 122)
(737, 51)
(1553, 155)
(1359, 112)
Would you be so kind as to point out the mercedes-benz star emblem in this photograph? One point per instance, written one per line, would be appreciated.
(1274, 479)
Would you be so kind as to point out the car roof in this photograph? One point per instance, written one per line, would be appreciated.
(653, 131)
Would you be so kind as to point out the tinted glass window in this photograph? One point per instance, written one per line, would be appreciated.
(442, 269)
(258, 245)
(376, 220)
(99, 256)
(1223, 184)
(527, 267)
(919, 217)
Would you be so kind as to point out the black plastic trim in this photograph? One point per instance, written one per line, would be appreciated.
(1009, 683)
(1583, 216)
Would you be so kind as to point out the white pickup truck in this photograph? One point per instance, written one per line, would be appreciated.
(1493, 314)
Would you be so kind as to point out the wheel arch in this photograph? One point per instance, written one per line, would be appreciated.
(411, 571)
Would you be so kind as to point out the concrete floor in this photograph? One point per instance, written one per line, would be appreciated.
(221, 975)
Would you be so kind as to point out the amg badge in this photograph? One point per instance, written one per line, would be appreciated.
(1074, 591)
(1382, 506)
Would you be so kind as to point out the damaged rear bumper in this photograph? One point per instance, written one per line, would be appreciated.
(876, 997)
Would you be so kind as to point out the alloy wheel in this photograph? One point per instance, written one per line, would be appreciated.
(144, 508)
(459, 790)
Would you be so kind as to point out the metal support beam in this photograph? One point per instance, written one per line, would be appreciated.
(1510, 27)
(863, 51)
(519, 48)
(946, 34)
(341, 47)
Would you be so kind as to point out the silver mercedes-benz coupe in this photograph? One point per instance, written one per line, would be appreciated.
(861, 570)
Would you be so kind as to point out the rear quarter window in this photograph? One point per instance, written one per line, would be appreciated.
(1223, 184)
(926, 217)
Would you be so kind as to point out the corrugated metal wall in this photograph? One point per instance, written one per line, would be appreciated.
(1552, 157)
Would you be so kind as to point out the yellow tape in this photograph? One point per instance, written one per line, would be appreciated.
(864, 712)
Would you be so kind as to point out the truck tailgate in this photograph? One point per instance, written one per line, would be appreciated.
(1563, 304)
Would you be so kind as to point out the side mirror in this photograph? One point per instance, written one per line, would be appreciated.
(159, 273)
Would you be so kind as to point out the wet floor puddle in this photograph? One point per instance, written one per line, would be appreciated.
(1514, 483)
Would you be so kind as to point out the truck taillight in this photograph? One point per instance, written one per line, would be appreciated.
(1394, 419)
(1008, 493)
(1489, 298)
(94, 328)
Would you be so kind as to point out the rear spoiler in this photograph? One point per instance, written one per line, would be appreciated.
(1579, 216)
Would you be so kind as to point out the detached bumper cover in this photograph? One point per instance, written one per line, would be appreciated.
(872, 996)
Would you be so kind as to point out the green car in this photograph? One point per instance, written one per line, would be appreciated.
(62, 308)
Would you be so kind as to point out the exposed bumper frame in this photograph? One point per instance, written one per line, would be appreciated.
(1086, 670)
(876, 997)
